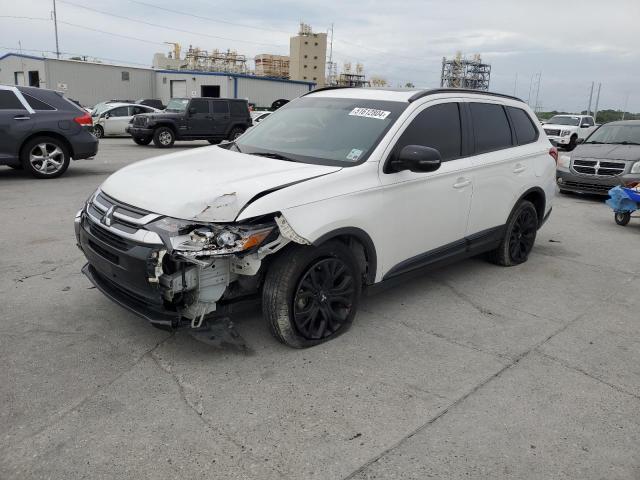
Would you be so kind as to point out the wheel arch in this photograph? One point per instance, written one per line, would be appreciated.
(170, 125)
(349, 235)
(46, 133)
(536, 196)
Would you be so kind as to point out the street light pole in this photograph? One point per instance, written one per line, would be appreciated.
(55, 26)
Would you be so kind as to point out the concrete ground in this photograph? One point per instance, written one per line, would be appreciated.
(473, 371)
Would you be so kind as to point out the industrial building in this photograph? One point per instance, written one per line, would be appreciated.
(461, 72)
(268, 65)
(308, 56)
(92, 82)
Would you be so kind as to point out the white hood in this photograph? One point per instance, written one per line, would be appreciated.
(209, 184)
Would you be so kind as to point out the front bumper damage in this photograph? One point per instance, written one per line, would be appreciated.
(153, 275)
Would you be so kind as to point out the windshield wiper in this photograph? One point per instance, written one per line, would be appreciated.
(595, 143)
(625, 143)
(277, 156)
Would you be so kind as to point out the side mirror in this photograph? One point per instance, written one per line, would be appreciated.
(106, 115)
(417, 158)
(585, 125)
(192, 110)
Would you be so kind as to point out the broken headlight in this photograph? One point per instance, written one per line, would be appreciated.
(196, 240)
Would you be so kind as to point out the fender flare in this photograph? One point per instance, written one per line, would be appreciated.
(366, 241)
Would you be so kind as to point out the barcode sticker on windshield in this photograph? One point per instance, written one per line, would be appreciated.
(369, 113)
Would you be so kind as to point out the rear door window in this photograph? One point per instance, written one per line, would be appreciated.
(436, 127)
(220, 107)
(9, 101)
(526, 132)
(490, 126)
(239, 109)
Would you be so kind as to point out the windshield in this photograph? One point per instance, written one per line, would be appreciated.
(177, 105)
(327, 131)
(616, 134)
(99, 108)
(559, 120)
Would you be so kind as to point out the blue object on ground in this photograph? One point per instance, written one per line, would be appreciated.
(623, 200)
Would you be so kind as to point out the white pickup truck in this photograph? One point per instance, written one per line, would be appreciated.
(566, 130)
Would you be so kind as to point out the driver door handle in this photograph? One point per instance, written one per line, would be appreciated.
(21, 117)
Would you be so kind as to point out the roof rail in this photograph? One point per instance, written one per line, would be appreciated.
(435, 91)
(321, 89)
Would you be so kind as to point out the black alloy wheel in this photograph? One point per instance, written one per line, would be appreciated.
(523, 235)
(323, 299)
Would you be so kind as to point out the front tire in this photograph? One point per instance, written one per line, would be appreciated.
(98, 131)
(573, 143)
(163, 137)
(622, 218)
(142, 140)
(311, 294)
(45, 157)
(519, 237)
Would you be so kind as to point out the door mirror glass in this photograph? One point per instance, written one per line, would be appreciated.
(417, 158)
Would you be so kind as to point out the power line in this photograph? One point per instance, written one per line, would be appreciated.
(75, 54)
(165, 26)
(210, 19)
(110, 33)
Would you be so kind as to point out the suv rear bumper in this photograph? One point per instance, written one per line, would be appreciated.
(83, 145)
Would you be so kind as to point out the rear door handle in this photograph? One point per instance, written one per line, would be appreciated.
(519, 168)
(462, 182)
(21, 117)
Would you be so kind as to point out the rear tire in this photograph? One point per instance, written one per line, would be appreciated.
(142, 140)
(573, 143)
(622, 218)
(519, 236)
(163, 137)
(311, 294)
(45, 157)
(235, 133)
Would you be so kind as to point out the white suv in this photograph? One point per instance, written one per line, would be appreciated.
(338, 190)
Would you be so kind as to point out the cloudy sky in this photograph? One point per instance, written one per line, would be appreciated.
(571, 42)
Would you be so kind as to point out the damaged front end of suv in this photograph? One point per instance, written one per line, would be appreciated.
(170, 271)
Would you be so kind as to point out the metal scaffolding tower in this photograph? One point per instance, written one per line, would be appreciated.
(464, 73)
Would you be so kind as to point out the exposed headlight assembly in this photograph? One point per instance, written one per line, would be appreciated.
(635, 168)
(194, 241)
(564, 161)
(566, 133)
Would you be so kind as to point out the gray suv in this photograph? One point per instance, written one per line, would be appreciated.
(41, 131)
(610, 156)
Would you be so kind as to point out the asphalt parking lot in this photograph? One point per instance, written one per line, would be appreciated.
(473, 371)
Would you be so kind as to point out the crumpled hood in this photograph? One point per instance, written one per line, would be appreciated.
(208, 184)
(608, 152)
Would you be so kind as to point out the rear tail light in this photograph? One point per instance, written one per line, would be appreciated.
(84, 120)
(553, 151)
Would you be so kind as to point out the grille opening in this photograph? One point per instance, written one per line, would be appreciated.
(109, 238)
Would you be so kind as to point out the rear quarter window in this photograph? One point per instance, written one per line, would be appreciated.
(525, 130)
(490, 126)
(36, 104)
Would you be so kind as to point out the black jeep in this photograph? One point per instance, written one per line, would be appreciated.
(212, 119)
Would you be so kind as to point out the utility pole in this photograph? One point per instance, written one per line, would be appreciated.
(515, 85)
(55, 26)
(535, 109)
(624, 110)
(595, 110)
(590, 98)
